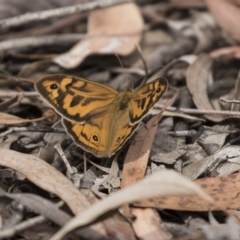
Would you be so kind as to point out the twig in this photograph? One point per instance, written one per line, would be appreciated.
(127, 70)
(58, 12)
(72, 172)
(184, 133)
(229, 101)
(144, 81)
(31, 129)
(41, 41)
(200, 111)
(10, 232)
(6, 94)
(46, 28)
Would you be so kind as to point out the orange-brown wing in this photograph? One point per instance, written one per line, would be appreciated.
(145, 97)
(75, 98)
(91, 136)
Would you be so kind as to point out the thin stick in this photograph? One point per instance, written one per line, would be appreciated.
(9, 94)
(119, 60)
(229, 101)
(10, 232)
(56, 39)
(200, 111)
(31, 129)
(84, 164)
(57, 12)
(144, 81)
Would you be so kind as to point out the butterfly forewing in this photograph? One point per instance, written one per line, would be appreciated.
(145, 97)
(75, 98)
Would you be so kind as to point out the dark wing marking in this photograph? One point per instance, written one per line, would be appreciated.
(74, 98)
(145, 97)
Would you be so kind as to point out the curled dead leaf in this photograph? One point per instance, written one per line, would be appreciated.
(160, 183)
(44, 176)
(108, 33)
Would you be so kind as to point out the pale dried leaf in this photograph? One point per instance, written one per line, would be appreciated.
(227, 15)
(232, 52)
(195, 169)
(221, 188)
(117, 229)
(9, 119)
(198, 75)
(160, 183)
(147, 225)
(136, 160)
(41, 206)
(228, 168)
(44, 176)
(108, 33)
(166, 149)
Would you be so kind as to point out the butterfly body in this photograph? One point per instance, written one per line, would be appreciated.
(98, 118)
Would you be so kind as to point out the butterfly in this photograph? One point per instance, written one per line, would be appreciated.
(98, 118)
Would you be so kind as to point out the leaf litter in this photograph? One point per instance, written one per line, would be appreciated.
(168, 176)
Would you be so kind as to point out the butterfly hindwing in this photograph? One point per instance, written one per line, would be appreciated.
(92, 136)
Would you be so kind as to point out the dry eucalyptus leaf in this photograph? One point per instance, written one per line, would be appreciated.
(108, 33)
(160, 183)
(232, 52)
(9, 119)
(198, 76)
(41, 206)
(147, 225)
(166, 149)
(44, 176)
(136, 160)
(228, 168)
(195, 169)
(201, 25)
(229, 230)
(223, 189)
(117, 229)
(227, 15)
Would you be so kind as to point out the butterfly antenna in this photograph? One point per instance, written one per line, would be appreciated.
(144, 81)
(119, 60)
(122, 66)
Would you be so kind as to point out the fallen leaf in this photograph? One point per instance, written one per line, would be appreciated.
(136, 160)
(223, 189)
(197, 79)
(108, 32)
(160, 183)
(227, 15)
(231, 52)
(147, 225)
(44, 176)
(9, 119)
(47, 178)
(41, 206)
(117, 229)
(207, 164)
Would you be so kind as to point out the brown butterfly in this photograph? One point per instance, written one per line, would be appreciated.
(97, 117)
